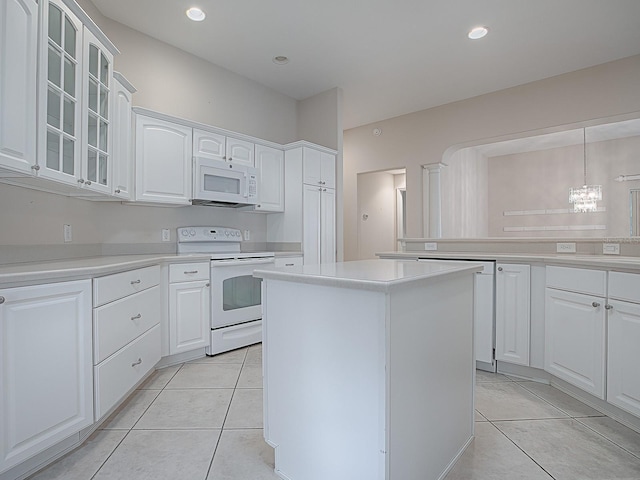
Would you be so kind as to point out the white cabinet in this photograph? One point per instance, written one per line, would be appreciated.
(46, 377)
(126, 318)
(319, 168)
(122, 164)
(575, 327)
(19, 54)
(163, 152)
(319, 243)
(189, 306)
(513, 313)
(623, 380)
(270, 164)
(220, 147)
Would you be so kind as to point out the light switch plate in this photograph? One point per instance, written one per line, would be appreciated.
(66, 230)
(566, 247)
(611, 248)
(431, 246)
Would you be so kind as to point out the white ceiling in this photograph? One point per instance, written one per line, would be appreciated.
(392, 57)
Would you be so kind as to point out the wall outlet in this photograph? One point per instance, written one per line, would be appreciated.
(247, 235)
(566, 247)
(166, 235)
(611, 248)
(431, 246)
(66, 232)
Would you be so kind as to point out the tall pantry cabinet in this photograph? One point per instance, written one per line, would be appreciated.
(309, 215)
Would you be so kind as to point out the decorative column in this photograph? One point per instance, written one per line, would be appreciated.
(431, 205)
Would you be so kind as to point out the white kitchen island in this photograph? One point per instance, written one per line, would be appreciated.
(368, 368)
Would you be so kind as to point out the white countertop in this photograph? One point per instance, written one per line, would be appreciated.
(598, 261)
(379, 275)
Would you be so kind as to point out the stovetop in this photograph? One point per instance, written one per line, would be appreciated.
(221, 243)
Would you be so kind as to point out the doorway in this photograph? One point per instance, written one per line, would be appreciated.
(381, 211)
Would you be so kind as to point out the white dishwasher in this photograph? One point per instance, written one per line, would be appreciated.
(483, 313)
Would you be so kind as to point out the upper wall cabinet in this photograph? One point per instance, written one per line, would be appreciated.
(163, 161)
(122, 164)
(219, 147)
(270, 163)
(18, 66)
(319, 168)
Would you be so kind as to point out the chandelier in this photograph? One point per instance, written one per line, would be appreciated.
(585, 198)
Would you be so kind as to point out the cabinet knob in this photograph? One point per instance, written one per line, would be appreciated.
(230, 158)
(137, 363)
(35, 167)
(117, 190)
(88, 182)
(500, 269)
(595, 304)
(2, 300)
(208, 284)
(224, 157)
(136, 317)
(81, 180)
(133, 282)
(608, 307)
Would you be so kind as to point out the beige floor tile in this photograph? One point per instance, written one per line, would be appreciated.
(570, 451)
(159, 379)
(509, 401)
(234, 356)
(482, 376)
(251, 376)
(560, 400)
(491, 456)
(161, 455)
(479, 417)
(128, 414)
(246, 409)
(206, 376)
(254, 356)
(184, 409)
(243, 454)
(83, 463)
(616, 432)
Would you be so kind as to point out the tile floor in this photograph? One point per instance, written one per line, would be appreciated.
(203, 421)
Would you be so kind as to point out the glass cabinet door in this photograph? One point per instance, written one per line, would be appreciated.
(60, 137)
(96, 148)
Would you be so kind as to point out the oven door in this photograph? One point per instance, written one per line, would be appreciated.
(235, 294)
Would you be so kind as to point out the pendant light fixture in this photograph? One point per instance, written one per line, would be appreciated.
(585, 198)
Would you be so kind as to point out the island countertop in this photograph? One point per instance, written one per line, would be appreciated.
(377, 275)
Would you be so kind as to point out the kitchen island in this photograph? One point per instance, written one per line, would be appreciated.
(368, 368)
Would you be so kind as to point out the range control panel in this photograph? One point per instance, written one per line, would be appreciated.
(208, 234)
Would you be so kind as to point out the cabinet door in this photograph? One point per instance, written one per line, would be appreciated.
(19, 54)
(513, 313)
(122, 173)
(208, 145)
(575, 339)
(311, 224)
(46, 377)
(327, 225)
(189, 308)
(240, 151)
(623, 380)
(270, 163)
(59, 145)
(96, 119)
(328, 170)
(163, 161)
(311, 166)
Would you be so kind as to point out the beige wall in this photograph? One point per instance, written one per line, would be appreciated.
(423, 137)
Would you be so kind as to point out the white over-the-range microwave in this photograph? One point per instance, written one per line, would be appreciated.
(223, 184)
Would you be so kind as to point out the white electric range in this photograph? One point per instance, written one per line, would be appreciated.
(236, 301)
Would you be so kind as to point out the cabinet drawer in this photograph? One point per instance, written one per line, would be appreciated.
(112, 287)
(624, 286)
(120, 322)
(288, 261)
(185, 272)
(579, 280)
(119, 373)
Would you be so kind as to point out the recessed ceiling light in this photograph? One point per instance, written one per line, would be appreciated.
(478, 32)
(195, 14)
(280, 60)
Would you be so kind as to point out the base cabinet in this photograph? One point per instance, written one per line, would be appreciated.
(513, 316)
(46, 376)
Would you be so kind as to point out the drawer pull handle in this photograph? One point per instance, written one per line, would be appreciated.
(608, 307)
(191, 272)
(137, 317)
(133, 282)
(2, 300)
(595, 304)
(137, 363)
(288, 264)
